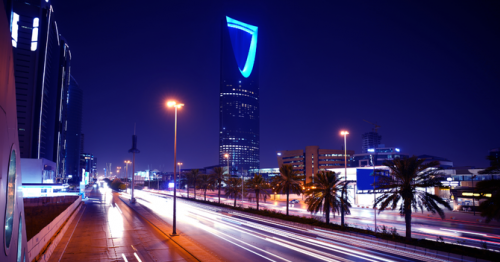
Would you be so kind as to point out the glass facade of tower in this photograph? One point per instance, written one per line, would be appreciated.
(239, 129)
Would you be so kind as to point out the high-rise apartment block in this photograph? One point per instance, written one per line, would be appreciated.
(239, 129)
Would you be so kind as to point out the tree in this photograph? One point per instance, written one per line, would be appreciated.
(206, 182)
(287, 182)
(490, 208)
(494, 168)
(258, 185)
(323, 195)
(218, 177)
(194, 177)
(233, 188)
(402, 188)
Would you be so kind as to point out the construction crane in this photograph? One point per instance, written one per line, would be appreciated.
(376, 127)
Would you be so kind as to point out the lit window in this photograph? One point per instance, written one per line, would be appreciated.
(20, 239)
(11, 197)
(15, 28)
(34, 34)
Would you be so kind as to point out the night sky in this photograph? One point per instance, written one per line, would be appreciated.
(428, 73)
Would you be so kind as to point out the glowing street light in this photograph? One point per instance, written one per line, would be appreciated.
(344, 133)
(179, 164)
(227, 157)
(176, 106)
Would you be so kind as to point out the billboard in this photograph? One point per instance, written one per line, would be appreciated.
(364, 179)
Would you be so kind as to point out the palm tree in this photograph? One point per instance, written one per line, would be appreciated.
(323, 195)
(233, 188)
(288, 182)
(401, 188)
(194, 175)
(205, 182)
(490, 208)
(258, 185)
(218, 177)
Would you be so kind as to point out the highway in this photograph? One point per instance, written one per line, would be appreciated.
(240, 237)
(423, 226)
(461, 232)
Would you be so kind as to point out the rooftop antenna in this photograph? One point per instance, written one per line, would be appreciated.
(375, 128)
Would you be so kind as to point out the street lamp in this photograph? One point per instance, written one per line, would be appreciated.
(344, 133)
(179, 164)
(227, 157)
(126, 168)
(176, 106)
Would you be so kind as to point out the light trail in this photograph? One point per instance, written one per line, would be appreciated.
(246, 227)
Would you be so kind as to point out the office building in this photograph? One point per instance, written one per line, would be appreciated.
(74, 129)
(371, 140)
(88, 164)
(42, 72)
(310, 161)
(377, 156)
(35, 44)
(239, 130)
(13, 240)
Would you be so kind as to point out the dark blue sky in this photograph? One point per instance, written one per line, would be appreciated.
(428, 73)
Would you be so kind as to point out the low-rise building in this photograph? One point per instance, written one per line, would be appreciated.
(377, 156)
(310, 161)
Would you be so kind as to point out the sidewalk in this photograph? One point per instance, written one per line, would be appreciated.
(107, 230)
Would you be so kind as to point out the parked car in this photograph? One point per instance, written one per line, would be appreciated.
(294, 201)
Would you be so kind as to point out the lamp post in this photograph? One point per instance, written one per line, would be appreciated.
(179, 164)
(344, 133)
(473, 198)
(133, 150)
(374, 194)
(175, 106)
(126, 168)
(227, 157)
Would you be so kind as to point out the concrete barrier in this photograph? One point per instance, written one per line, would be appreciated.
(41, 201)
(41, 246)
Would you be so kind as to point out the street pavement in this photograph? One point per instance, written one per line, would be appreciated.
(106, 229)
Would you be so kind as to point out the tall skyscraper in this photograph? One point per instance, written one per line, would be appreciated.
(42, 61)
(239, 129)
(35, 42)
(74, 129)
(371, 140)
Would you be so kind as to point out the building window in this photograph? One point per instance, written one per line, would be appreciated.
(34, 34)
(15, 29)
(20, 239)
(11, 199)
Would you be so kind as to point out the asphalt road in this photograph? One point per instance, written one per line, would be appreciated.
(468, 233)
(240, 237)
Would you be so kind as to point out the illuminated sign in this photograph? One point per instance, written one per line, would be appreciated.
(475, 194)
(371, 150)
(170, 185)
(450, 183)
(250, 57)
(397, 150)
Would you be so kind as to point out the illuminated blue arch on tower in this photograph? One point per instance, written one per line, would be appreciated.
(250, 57)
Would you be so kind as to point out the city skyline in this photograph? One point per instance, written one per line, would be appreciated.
(427, 74)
